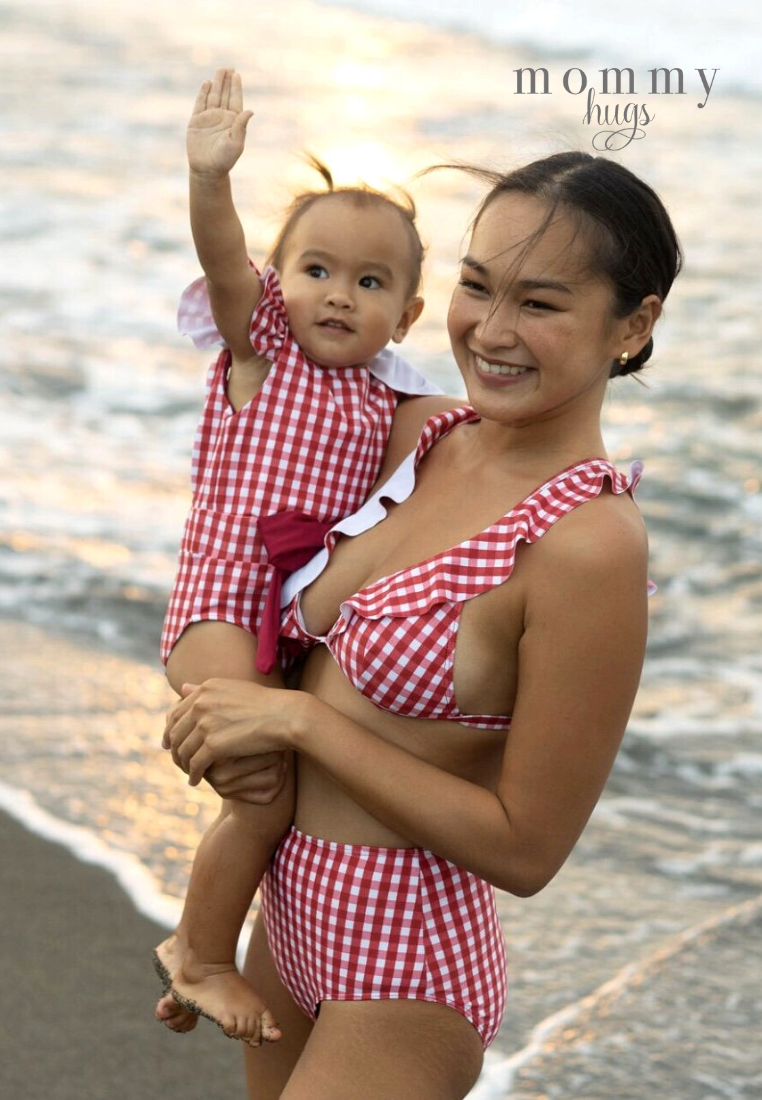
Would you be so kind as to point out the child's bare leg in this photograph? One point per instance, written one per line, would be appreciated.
(169, 955)
(230, 862)
(223, 883)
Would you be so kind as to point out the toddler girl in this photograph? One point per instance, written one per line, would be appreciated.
(298, 413)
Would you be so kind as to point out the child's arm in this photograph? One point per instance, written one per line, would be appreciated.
(216, 136)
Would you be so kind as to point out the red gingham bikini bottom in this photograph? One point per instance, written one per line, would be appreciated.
(355, 923)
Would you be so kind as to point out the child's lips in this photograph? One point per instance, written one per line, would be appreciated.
(335, 323)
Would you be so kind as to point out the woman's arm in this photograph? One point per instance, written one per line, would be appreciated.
(579, 666)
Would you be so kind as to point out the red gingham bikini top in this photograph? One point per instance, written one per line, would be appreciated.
(395, 638)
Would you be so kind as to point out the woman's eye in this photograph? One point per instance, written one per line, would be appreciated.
(469, 284)
(316, 271)
(370, 282)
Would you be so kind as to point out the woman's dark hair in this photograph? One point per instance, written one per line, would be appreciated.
(632, 242)
(362, 195)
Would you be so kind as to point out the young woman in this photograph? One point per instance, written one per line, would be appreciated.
(476, 634)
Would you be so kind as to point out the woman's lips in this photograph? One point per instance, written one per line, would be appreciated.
(500, 374)
(503, 370)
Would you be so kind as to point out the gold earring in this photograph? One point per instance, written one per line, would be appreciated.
(623, 358)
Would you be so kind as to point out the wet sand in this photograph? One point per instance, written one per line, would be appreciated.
(77, 990)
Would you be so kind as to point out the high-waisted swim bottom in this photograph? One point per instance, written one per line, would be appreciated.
(356, 923)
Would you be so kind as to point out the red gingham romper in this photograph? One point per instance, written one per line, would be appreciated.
(354, 923)
(312, 440)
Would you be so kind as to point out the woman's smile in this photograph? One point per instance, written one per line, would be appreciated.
(505, 373)
(527, 318)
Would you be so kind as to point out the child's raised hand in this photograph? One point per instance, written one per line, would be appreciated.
(217, 127)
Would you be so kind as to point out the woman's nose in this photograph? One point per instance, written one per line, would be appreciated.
(497, 328)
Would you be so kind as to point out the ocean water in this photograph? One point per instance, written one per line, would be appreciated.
(648, 34)
(636, 971)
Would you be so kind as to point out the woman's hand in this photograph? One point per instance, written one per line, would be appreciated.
(217, 127)
(225, 720)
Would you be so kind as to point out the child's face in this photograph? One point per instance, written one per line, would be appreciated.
(346, 281)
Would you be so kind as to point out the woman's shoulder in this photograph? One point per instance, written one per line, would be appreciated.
(606, 526)
(598, 546)
(410, 417)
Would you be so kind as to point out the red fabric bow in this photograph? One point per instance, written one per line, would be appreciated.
(290, 539)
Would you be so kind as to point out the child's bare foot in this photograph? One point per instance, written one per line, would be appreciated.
(167, 960)
(222, 995)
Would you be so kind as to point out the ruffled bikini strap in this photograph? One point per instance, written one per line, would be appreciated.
(487, 559)
(396, 488)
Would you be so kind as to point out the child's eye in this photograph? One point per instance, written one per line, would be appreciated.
(533, 303)
(370, 282)
(317, 271)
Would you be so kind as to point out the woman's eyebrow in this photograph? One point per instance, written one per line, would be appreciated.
(469, 261)
(542, 284)
(522, 284)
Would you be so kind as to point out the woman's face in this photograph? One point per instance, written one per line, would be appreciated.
(532, 335)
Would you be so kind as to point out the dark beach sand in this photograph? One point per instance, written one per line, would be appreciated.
(77, 990)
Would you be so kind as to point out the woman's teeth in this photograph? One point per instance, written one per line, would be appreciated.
(499, 368)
